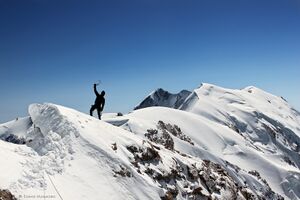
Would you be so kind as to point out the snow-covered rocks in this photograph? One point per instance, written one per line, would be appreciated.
(6, 195)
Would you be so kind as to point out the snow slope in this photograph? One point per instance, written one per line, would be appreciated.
(250, 128)
(73, 151)
(219, 144)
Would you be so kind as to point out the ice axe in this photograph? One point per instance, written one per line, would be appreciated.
(98, 82)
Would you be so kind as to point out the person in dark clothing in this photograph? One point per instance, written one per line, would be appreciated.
(99, 102)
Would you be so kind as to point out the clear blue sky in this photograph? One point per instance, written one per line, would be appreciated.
(53, 50)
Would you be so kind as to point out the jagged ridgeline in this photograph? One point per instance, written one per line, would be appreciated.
(164, 98)
(216, 143)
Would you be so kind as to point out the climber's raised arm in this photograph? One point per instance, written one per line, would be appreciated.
(95, 90)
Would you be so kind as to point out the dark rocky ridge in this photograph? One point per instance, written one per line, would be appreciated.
(161, 97)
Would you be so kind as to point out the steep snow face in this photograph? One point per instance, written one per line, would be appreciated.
(161, 97)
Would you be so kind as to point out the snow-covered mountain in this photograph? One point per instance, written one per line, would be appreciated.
(219, 144)
(164, 98)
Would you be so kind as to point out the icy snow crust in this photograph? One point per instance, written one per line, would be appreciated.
(230, 144)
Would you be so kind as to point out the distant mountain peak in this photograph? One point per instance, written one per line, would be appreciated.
(161, 97)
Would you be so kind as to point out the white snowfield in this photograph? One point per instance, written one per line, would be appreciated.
(219, 144)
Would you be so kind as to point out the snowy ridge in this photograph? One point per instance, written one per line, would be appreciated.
(269, 128)
(260, 117)
(219, 144)
(117, 156)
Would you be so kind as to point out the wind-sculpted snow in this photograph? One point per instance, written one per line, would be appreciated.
(48, 118)
(219, 144)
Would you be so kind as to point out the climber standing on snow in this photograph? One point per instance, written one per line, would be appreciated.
(99, 102)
